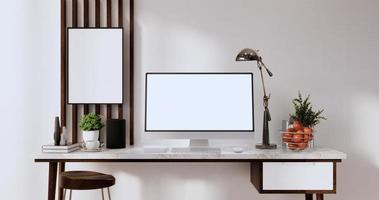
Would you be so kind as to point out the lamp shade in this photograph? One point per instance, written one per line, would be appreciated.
(247, 55)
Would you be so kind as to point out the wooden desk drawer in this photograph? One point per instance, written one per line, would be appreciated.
(297, 176)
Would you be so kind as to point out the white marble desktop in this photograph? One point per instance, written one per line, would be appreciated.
(226, 153)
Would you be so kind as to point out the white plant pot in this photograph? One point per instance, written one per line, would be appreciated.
(90, 135)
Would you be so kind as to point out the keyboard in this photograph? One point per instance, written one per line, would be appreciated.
(195, 150)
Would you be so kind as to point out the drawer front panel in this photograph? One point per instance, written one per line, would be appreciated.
(297, 176)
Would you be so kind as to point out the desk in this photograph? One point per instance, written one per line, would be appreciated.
(318, 166)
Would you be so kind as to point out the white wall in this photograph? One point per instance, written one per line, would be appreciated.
(327, 48)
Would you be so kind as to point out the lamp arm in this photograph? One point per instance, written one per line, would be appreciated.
(263, 85)
(267, 70)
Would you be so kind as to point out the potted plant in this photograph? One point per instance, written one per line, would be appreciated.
(304, 118)
(90, 124)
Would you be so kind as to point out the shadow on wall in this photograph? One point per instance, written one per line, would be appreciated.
(310, 46)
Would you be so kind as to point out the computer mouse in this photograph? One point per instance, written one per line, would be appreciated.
(237, 149)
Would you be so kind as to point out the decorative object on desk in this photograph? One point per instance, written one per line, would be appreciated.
(91, 145)
(299, 135)
(90, 124)
(252, 55)
(52, 148)
(116, 134)
(64, 137)
(57, 132)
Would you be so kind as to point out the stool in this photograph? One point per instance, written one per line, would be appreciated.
(85, 180)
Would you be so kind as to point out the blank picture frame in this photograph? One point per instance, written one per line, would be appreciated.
(199, 102)
(95, 65)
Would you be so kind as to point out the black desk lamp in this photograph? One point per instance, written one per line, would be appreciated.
(252, 55)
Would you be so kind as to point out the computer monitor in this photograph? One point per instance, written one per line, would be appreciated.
(190, 105)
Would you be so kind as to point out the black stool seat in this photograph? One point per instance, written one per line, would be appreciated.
(85, 180)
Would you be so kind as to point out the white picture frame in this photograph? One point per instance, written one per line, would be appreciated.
(95, 66)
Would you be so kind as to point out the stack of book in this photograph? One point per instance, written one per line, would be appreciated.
(50, 148)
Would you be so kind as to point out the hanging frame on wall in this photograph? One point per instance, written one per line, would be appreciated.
(95, 65)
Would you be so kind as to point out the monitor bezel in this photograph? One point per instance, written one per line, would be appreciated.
(200, 131)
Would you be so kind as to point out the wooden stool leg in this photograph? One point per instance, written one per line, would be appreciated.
(64, 194)
(308, 196)
(109, 194)
(70, 194)
(102, 194)
(320, 196)
(52, 180)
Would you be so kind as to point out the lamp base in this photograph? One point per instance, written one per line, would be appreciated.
(265, 146)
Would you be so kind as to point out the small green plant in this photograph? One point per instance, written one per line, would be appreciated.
(91, 122)
(305, 113)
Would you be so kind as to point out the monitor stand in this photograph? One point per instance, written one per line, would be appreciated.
(197, 146)
(199, 143)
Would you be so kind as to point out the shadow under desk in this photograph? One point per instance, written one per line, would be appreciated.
(271, 171)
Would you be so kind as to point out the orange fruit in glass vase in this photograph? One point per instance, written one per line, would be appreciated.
(309, 131)
(287, 137)
(292, 146)
(291, 130)
(297, 138)
(298, 126)
(302, 146)
(306, 138)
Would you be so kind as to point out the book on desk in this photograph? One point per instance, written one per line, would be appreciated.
(51, 148)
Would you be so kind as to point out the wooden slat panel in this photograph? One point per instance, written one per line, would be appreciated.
(109, 111)
(120, 24)
(74, 113)
(74, 123)
(63, 62)
(86, 24)
(109, 13)
(109, 24)
(120, 111)
(97, 109)
(86, 13)
(97, 24)
(74, 13)
(131, 71)
(97, 13)
(85, 108)
(120, 13)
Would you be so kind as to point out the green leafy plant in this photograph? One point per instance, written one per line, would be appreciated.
(304, 112)
(91, 122)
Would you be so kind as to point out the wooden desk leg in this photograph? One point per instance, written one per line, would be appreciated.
(308, 196)
(320, 196)
(61, 168)
(52, 180)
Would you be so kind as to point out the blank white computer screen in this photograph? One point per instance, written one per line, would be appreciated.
(199, 102)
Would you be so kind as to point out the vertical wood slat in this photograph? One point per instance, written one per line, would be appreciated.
(86, 24)
(109, 13)
(97, 13)
(86, 13)
(74, 13)
(63, 63)
(74, 113)
(97, 24)
(131, 72)
(121, 24)
(109, 24)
